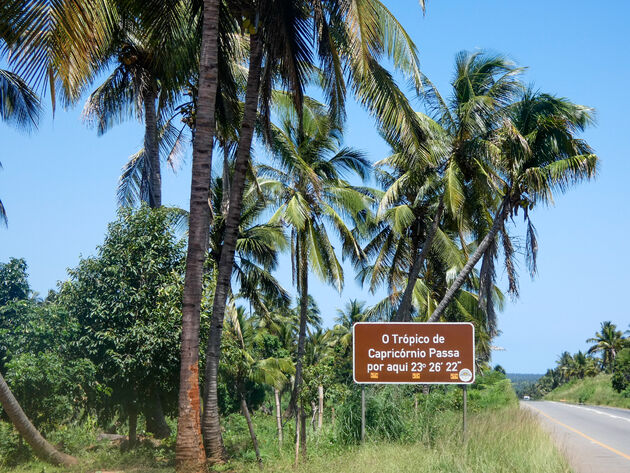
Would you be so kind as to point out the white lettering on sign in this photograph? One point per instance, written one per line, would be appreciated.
(412, 353)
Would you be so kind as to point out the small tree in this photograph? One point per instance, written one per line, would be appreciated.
(14, 290)
(127, 300)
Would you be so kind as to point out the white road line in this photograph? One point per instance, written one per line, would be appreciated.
(592, 410)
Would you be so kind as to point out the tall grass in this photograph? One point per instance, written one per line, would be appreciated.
(596, 390)
(402, 436)
(505, 440)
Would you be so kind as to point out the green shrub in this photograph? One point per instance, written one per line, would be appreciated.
(12, 449)
(51, 390)
(621, 372)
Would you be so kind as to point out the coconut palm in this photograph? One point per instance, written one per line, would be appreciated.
(583, 365)
(240, 364)
(54, 44)
(353, 312)
(146, 83)
(609, 341)
(40, 446)
(363, 33)
(408, 217)
(257, 251)
(19, 106)
(424, 180)
(311, 192)
(532, 154)
(564, 365)
(312, 195)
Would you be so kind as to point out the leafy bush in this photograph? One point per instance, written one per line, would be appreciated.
(621, 372)
(51, 390)
(12, 449)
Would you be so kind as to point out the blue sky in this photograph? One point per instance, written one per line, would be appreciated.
(58, 183)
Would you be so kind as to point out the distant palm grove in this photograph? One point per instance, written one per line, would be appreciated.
(178, 320)
(609, 354)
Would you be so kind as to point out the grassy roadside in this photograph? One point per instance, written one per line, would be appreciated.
(596, 390)
(401, 438)
(507, 440)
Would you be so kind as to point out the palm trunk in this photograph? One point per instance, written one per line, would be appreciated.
(276, 393)
(225, 201)
(213, 439)
(154, 415)
(303, 288)
(499, 219)
(250, 425)
(320, 419)
(40, 446)
(151, 149)
(404, 309)
(189, 453)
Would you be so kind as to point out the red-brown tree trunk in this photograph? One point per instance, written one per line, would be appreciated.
(189, 452)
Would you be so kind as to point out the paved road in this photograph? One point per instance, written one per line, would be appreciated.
(595, 439)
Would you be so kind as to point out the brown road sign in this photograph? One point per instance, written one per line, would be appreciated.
(408, 353)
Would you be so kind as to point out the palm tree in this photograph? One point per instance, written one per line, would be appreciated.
(583, 365)
(609, 341)
(532, 153)
(311, 193)
(240, 364)
(408, 217)
(55, 44)
(257, 250)
(429, 178)
(146, 83)
(19, 106)
(353, 312)
(564, 365)
(256, 256)
(359, 33)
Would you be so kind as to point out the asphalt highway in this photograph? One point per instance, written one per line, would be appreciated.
(595, 439)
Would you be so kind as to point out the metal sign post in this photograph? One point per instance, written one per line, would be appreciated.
(465, 410)
(362, 413)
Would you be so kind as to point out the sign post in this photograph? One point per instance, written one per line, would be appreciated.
(363, 413)
(413, 353)
(465, 410)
